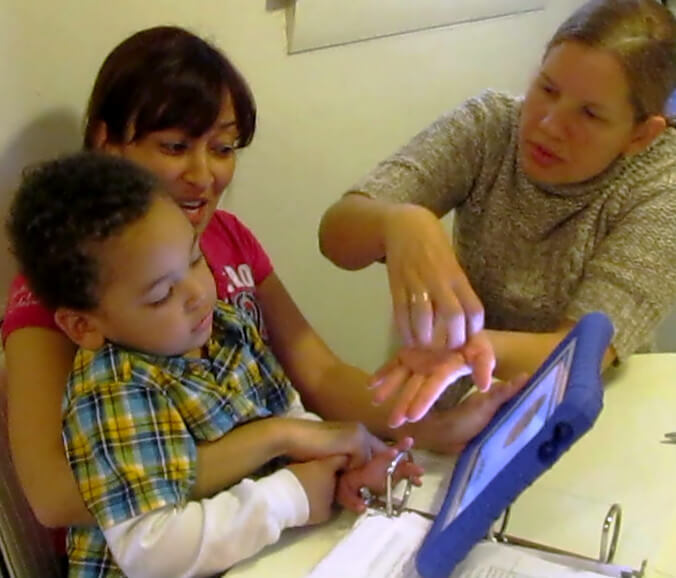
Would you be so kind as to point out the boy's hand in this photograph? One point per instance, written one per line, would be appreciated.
(421, 375)
(311, 440)
(373, 475)
(318, 479)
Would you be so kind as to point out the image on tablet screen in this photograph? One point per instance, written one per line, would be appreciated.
(514, 430)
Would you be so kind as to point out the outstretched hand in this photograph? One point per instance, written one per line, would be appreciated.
(420, 375)
(448, 431)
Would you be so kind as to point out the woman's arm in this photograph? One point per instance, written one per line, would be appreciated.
(519, 352)
(38, 363)
(328, 386)
(394, 216)
(336, 390)
(352, 231)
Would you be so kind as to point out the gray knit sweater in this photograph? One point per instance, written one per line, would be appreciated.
(537, 255)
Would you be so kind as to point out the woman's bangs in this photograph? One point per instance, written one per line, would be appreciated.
(191, 105)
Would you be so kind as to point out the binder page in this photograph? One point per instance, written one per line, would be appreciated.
(492, 560)
(377, 547)
(381, 547)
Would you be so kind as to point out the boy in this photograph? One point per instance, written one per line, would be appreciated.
(163, 366)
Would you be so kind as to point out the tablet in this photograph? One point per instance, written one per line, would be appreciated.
(555, 408)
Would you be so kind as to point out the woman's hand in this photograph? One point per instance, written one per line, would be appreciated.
(420, 375)
(449, 430)
(311, 440)
(432, 298)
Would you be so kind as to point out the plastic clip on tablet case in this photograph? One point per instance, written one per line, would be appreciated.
(568, 390)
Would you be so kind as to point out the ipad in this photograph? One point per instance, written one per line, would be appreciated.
(556, 407)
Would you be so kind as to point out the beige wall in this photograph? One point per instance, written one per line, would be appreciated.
(325, 118)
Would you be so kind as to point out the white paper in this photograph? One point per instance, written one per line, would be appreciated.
(491, 560)
(378, 546)
(381, 547)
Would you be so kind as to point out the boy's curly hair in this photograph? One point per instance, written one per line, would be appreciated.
(62, 211)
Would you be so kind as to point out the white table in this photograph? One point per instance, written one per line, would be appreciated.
(620, 460)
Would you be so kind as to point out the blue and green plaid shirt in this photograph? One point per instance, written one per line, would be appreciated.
(131, 422)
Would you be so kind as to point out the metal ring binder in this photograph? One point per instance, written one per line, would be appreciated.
(609, 542)
(613, 519)
(391, 507)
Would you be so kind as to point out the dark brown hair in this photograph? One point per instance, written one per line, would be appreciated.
(64, 209)
(641, 34)
(166, 77)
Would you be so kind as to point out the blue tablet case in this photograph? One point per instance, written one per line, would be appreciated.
(558, 405)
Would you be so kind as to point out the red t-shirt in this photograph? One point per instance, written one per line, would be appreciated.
(236, 258)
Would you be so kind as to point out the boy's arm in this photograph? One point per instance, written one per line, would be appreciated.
(240, 453)
(208, 536)
(138, 488)
(247, 448)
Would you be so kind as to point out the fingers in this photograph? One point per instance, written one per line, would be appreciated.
(515, 385)
(434, 385)
(382, 372)
(504, 391)
(410, 471)
(421, 316)
(400, 304)
(451, 318)
(433, 313)
(348, 496)
(408, 393)
(482, 370)
(352, 502)
(404, 444)
(364, 446)
(427, 283)
(376, 445)
(336, 463)
(440, 316)
(471, 306)
(390, 383)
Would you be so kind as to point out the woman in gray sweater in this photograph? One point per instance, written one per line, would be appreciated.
(564, 203)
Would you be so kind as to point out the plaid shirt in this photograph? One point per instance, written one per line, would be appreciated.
(131, 422)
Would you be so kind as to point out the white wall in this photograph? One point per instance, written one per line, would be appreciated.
(325, 118)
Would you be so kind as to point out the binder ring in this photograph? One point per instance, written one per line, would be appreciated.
(609, 542)
(388, 506)
(390, 509)
(500, 534)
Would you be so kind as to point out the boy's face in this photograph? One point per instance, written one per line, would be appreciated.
(157, 293)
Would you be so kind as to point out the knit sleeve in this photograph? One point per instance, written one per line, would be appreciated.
(632, 276)
(439, 166)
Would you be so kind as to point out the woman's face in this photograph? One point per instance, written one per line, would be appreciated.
(577, 116)
(195, 170)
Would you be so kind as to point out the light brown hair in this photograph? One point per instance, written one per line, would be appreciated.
(641, 35)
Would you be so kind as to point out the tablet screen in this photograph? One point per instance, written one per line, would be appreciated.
(516, 428)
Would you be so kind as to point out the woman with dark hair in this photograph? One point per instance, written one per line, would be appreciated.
(173, 103)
